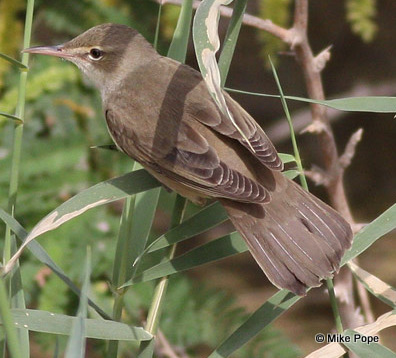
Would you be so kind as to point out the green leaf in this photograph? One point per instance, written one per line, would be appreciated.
(15, 118)
(207, 43)
(231, 39)
(363, 349)
(146, 349)
(99, 194)
(385, 223)
(13, 61)
(212, 251)
(375, 104)
(291, 174)
(380, 289)
(47, 322)
(136, 223)
(267, 313)
(206, 219)
(37, 250)
(286, 158)
(14, 225)
(178, 47)
(293, 139)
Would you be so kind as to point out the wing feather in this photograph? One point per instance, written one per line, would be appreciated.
(188, 159)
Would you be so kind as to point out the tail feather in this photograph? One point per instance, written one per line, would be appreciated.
(296, 239)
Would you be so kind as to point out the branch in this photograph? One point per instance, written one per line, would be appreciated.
(333, 166)
(165, 349)
(249, 20)
(304, 56)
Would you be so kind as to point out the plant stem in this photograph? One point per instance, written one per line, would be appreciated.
(160, 290)
(120, 266)
(18, 131)
(146, 348)
(156, 36)
(13, 343)
(16, 337)
(334, 306)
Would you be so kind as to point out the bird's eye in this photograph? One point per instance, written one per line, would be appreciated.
(95, 54)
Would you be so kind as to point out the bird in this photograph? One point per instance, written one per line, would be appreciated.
(160, 113)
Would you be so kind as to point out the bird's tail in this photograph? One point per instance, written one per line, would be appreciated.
(296, 239)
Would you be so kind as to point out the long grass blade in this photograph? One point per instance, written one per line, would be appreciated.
(13, 342)
(99, 194)
(379, 227)
(380, 289)
(54, 323)
(358, 345)
(206, 219)
(375, 104)
(207, 43)
(15, 62)
(231, 39)
(11, 116)
(178, 47)
(267, 313)
(218, 249)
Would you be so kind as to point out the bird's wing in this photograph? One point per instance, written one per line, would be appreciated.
(203, 108)
(185, 157)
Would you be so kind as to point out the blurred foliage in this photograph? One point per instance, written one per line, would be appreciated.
(279, 12)
(169, 18)
(361, 15)
(10, 32)
(49, 79)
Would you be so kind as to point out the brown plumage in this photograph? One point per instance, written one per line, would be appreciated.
(160, 113)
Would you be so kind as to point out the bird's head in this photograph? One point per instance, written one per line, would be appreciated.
(104, 53)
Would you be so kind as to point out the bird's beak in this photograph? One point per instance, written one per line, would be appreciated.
(57, 51)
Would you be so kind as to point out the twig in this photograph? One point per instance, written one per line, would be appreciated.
(317, 175)
(165, 349)
(322, 58)
(332, 168)
(350, 149)
(315, 90)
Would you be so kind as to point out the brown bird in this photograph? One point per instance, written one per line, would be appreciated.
(160, 113)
